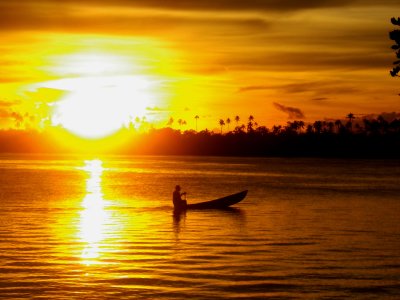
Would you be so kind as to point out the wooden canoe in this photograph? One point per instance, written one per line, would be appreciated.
(223, 202)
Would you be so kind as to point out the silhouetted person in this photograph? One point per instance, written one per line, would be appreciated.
(177, 198)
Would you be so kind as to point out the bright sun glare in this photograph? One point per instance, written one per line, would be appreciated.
(92, 227)
(102, 94)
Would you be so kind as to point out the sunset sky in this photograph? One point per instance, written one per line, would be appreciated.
(93, 66)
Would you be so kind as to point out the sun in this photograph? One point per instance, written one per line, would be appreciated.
(101, 95)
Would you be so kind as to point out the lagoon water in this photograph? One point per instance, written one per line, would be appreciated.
(104, 228)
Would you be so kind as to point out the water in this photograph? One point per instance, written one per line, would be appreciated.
(103, 228)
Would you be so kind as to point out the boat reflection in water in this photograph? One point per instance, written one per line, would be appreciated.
(92, 228)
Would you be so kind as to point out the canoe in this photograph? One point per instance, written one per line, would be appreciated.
(220, 203)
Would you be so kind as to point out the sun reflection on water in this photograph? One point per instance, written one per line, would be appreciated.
(94, 217)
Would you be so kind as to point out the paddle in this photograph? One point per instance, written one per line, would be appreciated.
(184, 194)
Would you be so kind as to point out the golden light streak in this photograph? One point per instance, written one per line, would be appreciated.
(94, 217)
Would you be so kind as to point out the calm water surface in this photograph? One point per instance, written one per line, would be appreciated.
(103, 228)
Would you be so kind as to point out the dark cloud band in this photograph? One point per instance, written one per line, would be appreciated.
(293, 112)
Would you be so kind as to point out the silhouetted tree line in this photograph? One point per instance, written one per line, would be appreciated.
(395, 36)
(377, 138)
(371, 138)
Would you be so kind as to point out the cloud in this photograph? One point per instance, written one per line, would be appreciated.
(6, 103)
(293, 112)
(311, 60)
(317, 91)
(156, 109)
(195, 5)
(4, 114)
(320, 89)
(18, 119)
(320, 99)
(232, 35)
(122, 17)
(253, 88)
(159, 15)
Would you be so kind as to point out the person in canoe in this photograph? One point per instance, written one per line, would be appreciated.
(177, 198)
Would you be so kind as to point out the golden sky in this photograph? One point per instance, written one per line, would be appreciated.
(101, 63)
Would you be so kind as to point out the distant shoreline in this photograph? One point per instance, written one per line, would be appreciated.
(167, 141)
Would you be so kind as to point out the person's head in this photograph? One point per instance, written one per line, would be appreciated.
(177, 188)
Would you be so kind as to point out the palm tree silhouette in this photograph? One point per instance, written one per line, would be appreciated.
(196, 117)
(295, 126)
(331, 127)
(395, 125)
(228, 121)
(250, 124)
(383, 124)
(237, 119)
(309, 129)
(395, 36)
(338, 125)
(300, 125)
(181, 122)
(276, 129)
(317, 126)
(221, 123)
(290, 127)
(170, 121)
(351, 117)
